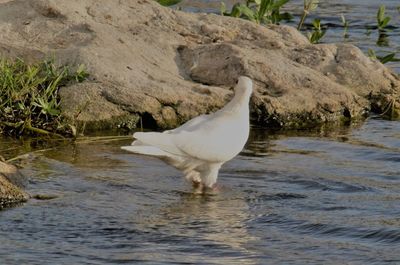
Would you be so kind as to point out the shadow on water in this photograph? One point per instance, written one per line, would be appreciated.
(322, 197)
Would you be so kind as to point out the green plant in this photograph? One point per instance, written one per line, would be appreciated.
(316, 35)
(391, 57)
(168, 2)
(259, 11)
(309, 5)
(382, 20)
(345, 26)
(383, 39)
(223, 10)
(81, 74)
(372, 54)
(29, 100)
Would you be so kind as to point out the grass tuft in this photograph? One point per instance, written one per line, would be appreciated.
(29, 100)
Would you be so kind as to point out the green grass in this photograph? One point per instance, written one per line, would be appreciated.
(382, 20)
(29, 100)
(308, 6)
(259, 11)
(345, 26)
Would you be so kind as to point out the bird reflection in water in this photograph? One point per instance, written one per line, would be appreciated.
(215, 222)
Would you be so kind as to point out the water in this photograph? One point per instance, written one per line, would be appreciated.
(324, 197)
(360, 14)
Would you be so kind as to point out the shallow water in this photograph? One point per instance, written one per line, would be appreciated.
(329, 197)
(360, 14)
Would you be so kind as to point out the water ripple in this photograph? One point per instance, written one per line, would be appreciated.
(301, 199)
(379, 235)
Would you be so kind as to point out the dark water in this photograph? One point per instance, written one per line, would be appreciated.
(329, 197)
(361, 15)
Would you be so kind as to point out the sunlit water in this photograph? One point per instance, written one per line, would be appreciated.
(315, 198)
(361, 15)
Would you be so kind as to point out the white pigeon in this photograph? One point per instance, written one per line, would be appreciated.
(200, 146)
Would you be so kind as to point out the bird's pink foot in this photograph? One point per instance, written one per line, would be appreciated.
(216, 188)
(200, 188)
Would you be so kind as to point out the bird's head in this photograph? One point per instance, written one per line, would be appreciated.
(244, 86)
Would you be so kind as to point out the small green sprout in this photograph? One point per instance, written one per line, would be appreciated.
(382, 20)
(391, 57)
(345, 26)
(259, 11)
(168, 2)
(309, 5)
(317, 32)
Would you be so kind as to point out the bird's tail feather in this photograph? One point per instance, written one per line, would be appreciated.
(146, 150)
(162, 141)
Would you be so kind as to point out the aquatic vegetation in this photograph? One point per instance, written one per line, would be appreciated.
(309, 5)
(29, 100)
(383, 39)
(345, 26)
(382, 20)
(168, 2)
(268, 12)
(259, 11)
(316, 35)
(391, 57)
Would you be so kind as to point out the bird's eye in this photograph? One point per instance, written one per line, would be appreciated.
(237, 81)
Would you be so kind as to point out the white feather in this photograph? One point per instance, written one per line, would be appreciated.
(200, 146)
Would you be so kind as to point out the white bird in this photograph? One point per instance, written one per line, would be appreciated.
(200, 146)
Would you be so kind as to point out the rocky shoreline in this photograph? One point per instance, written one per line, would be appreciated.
(159, 67)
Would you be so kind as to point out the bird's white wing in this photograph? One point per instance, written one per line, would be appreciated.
(191, 124)
(160, 144)
(216, 140)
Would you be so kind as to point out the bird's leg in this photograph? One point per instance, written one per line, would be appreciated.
(215, 189)
(192, 176)
(198, 187)
(209, 174)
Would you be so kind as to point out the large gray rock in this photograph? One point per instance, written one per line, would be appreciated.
(11, 184)
(167, 66)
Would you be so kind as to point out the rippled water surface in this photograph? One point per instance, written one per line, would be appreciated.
(311, 198)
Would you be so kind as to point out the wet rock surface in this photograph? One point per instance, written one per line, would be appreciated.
(11, 184)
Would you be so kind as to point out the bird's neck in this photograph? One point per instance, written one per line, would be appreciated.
(239, 103)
